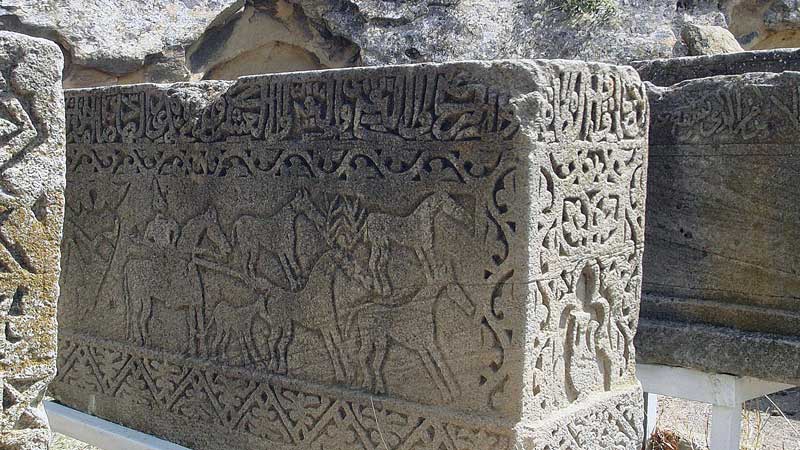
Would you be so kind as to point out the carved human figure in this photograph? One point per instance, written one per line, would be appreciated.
(171, 251)
(586, 372)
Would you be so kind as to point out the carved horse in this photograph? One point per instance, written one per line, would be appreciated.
(237, 322)
(415, 231)
(313, 308)
(168, 274)
(276, 235)
(412, 326)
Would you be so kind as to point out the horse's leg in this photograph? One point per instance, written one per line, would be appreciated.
(381, 349)
(144, 318)
(272, 346)
(250, 260)
(363, 359)
(129, 301)
(333, 353)
(447, 375)
(376, 260)
(426, 264)
(191, 348)
(294, 264)
(433, 370)
(199, 331)
(249, 347)
(381, 265)
(283, 350)
(218, 338)
(286, 265)
(344, 356)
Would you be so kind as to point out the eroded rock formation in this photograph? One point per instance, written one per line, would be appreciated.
(31, 218)
(126, 41)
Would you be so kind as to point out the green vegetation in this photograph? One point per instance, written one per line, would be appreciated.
(584, 8)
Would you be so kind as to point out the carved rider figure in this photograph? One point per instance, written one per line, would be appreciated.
(162, 231)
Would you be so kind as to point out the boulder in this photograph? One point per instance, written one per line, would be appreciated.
(708, 40)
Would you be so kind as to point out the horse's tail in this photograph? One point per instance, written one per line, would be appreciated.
(126, 300)
(352, 317)
(236, 232)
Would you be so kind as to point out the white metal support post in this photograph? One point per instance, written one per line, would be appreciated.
(726, 394)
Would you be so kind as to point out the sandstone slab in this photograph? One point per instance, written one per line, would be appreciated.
(32, 167)
(665, 72)
(721, 277)
(418, 257)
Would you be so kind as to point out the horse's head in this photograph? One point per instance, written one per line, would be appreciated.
(214, 231)
(446, 205)
(301, 201)
(445, 275)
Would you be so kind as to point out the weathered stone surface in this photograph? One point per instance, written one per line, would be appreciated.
(31, 217)
(708, 40)
(427, 256)
(134, 41)
(724, 239)
(665, 72)
(114, 36)
(764, 24)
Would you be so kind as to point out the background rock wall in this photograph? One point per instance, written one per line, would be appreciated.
(129, 41)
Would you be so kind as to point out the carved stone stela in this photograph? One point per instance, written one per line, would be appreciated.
(721, 289)
(32, 167)
(411, 257)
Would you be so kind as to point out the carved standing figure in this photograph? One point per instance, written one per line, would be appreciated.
(254, 236)
(415, 231)
(168, 273)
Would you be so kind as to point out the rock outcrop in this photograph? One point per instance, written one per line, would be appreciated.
(130, 41)
(126, 41)
(709, 40)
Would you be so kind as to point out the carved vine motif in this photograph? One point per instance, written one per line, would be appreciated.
(590, 234)
(591, 202)
(465, 166)
(622, 426)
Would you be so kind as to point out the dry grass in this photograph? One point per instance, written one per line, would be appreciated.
(664, 440)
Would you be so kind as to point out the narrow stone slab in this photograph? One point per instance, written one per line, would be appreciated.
(32, 167)
(665, 72)
(429, 256)
(721, 279)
